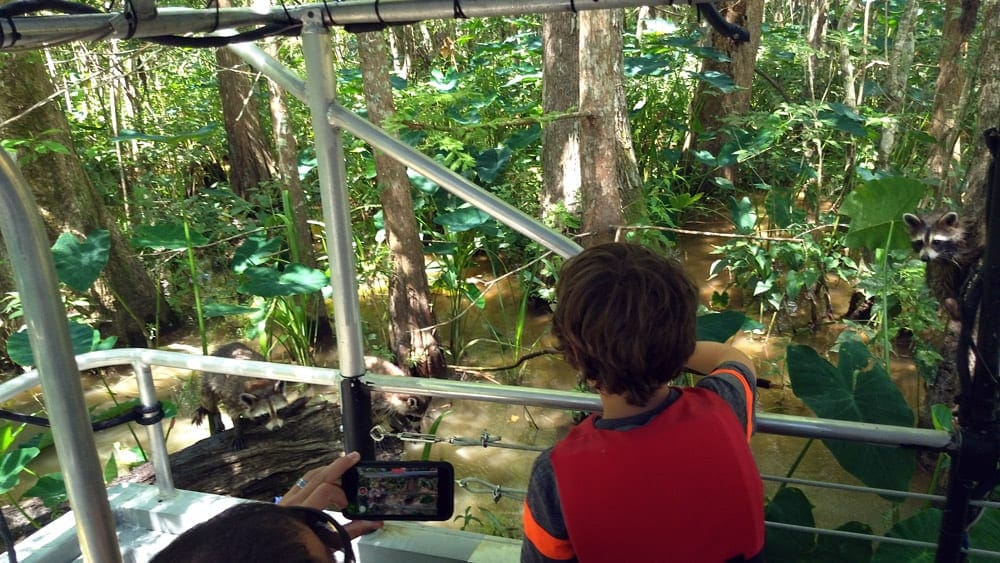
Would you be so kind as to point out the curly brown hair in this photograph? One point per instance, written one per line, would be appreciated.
(625, 317)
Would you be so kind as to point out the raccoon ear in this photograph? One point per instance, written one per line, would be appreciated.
(949, 219)
(279, 386)
(912, 220)
(248, 398)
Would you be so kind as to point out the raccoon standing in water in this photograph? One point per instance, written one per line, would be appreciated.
(951, 250)
(244, 398)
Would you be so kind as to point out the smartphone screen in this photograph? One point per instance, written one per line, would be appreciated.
(400, 490)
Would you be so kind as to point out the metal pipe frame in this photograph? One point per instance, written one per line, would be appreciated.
(29, 32)
(62, 390)
(767, 423)
(426, 166)
(320, 94)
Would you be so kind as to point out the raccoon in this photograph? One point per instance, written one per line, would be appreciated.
(244, 398)
(951, 250)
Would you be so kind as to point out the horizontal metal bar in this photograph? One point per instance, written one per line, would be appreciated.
(869, 490)
(35, 31)
(879, 434)
(779, 424)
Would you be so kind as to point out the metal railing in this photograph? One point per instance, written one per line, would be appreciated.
(143, 361)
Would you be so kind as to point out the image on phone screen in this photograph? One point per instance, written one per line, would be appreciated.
(404, 490)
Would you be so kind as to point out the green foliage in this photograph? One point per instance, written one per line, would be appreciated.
(858, 389)
(78, 265)
(83, 337)
(790, 506)
(925, 526)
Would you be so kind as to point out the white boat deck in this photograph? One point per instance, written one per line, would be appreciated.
(145, 524)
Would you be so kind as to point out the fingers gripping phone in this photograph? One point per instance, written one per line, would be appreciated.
(400, 490)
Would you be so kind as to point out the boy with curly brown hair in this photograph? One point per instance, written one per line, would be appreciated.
(663, 473)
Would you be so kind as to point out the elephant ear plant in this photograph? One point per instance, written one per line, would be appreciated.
(78, 263)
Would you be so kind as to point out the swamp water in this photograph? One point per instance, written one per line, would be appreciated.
(518, 426)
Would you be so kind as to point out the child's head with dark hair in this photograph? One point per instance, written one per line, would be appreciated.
(254, 532)
(625, 317)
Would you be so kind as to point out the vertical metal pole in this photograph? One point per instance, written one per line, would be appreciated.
(35, 277)
(320, 93)
(154, 432)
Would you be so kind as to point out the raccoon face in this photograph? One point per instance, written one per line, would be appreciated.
(265, 400)
(937, 236)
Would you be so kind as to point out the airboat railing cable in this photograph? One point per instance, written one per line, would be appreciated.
(975, 467)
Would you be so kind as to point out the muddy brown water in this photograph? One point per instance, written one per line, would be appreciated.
(535, 427)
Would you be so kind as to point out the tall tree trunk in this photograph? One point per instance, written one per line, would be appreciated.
(988, 110)
(250, 160)
(847, 68)
(411, 318)
(288, 167)
(69, 202)
(610, 189)
(816, 37)
(560, 93)
(712, 107)
(950, 93)
(900, 61)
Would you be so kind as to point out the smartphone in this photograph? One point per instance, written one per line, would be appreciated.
(400, 490)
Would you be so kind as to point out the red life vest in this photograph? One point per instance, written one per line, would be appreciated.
(683, 487)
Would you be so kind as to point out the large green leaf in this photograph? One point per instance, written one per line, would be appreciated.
(255, 251)
(84, 338)
(491, 162)
(877, 205)
(857, 390)
(789, 506)
(723, 82)
(130, 135)
(985, 534)
(720, 327)
(295, 279)
(169, 236)
(923, 526)
(12, 464)
(835, 549)
(50, 488)
(462, 219)
(212, 309)
(926, 526)
(844, 118)
(78, 263)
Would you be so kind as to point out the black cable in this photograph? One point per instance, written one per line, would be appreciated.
(287, 13)
(215, 42)
(326, 8)
(457, 11)
(139, 414)
(8, 538)
(215, 26)
(131, 18)
(572, 6)
(720, 24)
(378, 15)
(23, 7)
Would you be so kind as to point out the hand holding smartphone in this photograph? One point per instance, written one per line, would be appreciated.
(400, 490)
